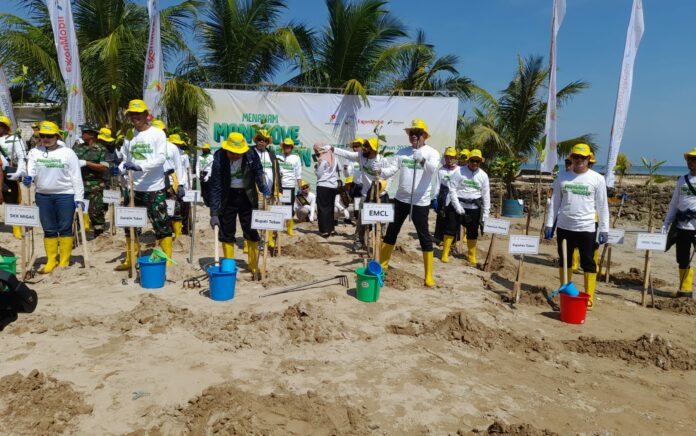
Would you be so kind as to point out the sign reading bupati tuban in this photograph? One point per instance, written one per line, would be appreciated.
(334, 119)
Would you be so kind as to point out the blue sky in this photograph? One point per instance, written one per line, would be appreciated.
(487, 35)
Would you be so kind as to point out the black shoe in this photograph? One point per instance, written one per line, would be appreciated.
(682, 294)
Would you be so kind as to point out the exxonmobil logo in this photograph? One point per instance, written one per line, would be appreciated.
(63, 41)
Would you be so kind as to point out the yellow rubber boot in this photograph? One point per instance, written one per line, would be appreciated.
(131, 253)
(385, 255)
(271, 240)
(471, 253)
(590, 285)
(17, 232)
(686, 278)
(228, 250)
(166, 244)
(447, 245)
(66, 246)
(88, 223)
(177, 226)
(576, 261)
(252, 256)
(291, 227)
(428, 266)
(246, 246)
(596, 259)
(51, 246)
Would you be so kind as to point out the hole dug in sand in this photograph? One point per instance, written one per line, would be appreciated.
(39, 404)
(402, 280)
(634, 277)
(648, 349)
(460, 326)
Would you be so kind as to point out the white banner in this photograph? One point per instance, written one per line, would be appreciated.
(335, 119)
(633, 37)
(551, 152)
(69, 61)
(153, 82)
(6, 99)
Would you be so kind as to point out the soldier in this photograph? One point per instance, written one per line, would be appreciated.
(13, 149)
(92, 158)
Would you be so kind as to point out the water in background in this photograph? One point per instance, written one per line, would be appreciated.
(666, 170)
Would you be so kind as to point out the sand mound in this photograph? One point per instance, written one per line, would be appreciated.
(285, 276)
(648, 349)
(535, 296)
(302, 322)
(504, 266)
(402, 280)
(308, 247)
(39, 404)
(460, 326)
(498, 428)
(402, 254)
(225, 409)
(634, 277)
(686, 306)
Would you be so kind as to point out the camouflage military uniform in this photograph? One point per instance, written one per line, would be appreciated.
(94, 183)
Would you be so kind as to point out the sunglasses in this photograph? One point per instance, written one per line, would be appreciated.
(416, 132)
(474, 161)
(579, 157)
(44, 136)
(260, 139)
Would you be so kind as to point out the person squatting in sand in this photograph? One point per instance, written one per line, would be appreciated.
(577, 195)
(416, 166)
(305, 204)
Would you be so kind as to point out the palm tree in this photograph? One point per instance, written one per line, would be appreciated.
(358, 48)
(622, 167)
(112, 38)
(243, 42)
(420, 69)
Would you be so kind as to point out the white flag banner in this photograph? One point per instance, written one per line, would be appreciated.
(69, 62)
(6, 99)
(623, 98)
(551, 152)
(153, 82)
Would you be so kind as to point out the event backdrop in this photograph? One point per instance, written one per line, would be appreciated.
(329, 118)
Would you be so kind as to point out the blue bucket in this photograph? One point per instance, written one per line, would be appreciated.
(375, 268)
(152, 274)
(222, 283)
(513, 209)
(227, 265)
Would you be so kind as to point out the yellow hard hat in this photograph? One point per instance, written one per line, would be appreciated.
(581, 150)
(349, 179)
(235, 143)
(451, 152)
(206, 146)
(372, 142)
(382, 186)
(304, 184)
(418, 124)
(105, 135)
(358, 140)
(48, 128)
(6, 121)
(176, 139)
(136, 106)
(465, 152)
(689, 154)
(288, 141)
(592, 159)
(159, 124)
(263, 133)
(476, 153)
(35, 125)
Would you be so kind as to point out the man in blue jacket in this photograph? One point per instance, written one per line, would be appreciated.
(235, 176)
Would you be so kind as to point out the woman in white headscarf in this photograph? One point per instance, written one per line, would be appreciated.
(327, 188)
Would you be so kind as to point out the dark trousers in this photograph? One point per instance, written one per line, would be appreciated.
(185, 216)
(238, 205)
(56, 213)
(325, 208)
(292, 195)
(584, 242)
(470, 221)
(685, 240)
(205, 192)
(420, 222)
(12, 194)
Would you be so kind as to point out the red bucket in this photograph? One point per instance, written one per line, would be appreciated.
(574, 309)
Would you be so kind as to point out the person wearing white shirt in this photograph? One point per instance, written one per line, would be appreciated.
(290, 169)
(305, 204)
(262, 139)
(14, 151)
(442, 190)
(469, 204)
(681, 215)
(354, 170)
(327, 188)
(417, 165)
(144, 158)
(55, 170)
(579, 194)
(204, 165)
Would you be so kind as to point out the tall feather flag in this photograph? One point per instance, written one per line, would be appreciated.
(153, 82)
(6, 99)
(551, 152)
(634, 35)
(69, 62)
